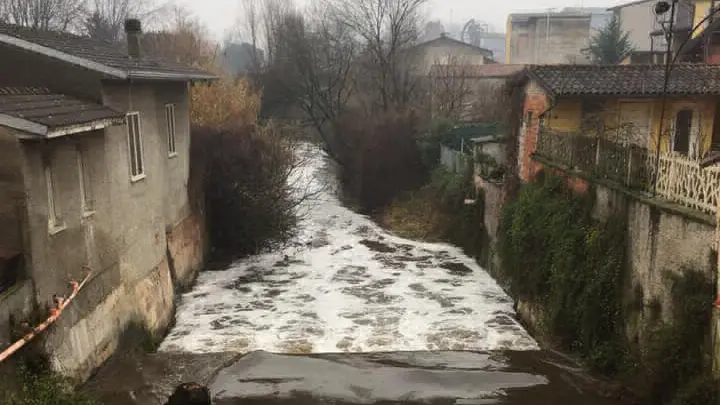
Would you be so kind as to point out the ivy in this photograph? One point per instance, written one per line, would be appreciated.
(555, 254)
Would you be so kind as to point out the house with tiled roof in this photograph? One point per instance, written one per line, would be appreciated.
(608, 121)
(446, 50)
(94, 168)
(470, 93)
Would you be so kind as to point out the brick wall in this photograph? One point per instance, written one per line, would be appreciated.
(537, 102)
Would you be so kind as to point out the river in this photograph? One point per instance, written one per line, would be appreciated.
(349, 314)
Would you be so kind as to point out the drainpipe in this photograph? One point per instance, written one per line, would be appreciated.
(547, 33)
(55, 312)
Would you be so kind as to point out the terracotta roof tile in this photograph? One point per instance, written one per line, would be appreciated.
(40, 106)
(627, 80)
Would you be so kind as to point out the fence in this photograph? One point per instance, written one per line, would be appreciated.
(454, 161)
(680, 179)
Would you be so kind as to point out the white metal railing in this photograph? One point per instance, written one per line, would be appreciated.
(682, 180)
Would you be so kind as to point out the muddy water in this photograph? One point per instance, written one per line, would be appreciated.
(347, 314)
(262, 378)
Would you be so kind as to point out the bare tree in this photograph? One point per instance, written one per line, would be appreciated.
(182, 40)
(252, 20)
(312, 70)
(105, 18)
(43, 14)
(450, 84)
(273, 14)
(388, 29)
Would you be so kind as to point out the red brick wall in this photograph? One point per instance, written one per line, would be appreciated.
(537, 102)
(713, 56)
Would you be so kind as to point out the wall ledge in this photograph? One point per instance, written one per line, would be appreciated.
(659, 203)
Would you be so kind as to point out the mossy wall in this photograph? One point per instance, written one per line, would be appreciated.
(625, 285)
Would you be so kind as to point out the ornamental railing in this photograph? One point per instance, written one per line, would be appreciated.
(680, 179)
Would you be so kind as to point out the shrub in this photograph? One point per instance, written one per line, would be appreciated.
(677, 359)
(249, 199)
(44, 389)
(437, 212)
(555, 254)
(226, 103)
(380, 158)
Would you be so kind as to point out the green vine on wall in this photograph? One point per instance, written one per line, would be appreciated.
(556, 255)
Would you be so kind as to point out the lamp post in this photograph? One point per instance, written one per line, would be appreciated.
(661, 8)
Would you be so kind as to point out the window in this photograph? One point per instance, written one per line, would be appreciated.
(85, 185)
(137, 166)
(683, 127)
(170, 127)
(54, 218)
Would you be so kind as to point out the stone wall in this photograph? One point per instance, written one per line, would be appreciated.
(79, 349)
(15, 302)
(87, 336)
(662, 238)
(186, 249)
(494, 195)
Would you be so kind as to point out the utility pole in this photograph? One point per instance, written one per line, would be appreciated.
(547, 33)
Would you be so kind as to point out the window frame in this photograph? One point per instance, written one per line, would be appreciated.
(54, 216)
(137, 170)
(171, 129)
(86, 200)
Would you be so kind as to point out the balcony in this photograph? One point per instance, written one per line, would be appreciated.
(680, 179)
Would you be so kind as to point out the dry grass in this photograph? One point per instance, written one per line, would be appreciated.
(417, 218)
(227, 102)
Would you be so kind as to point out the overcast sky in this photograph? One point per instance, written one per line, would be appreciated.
(219, 16)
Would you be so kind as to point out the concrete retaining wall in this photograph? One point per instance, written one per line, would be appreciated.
(85, 336)
(186, 249)
(662, 238)
(16, 302)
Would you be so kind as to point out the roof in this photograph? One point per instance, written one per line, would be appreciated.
(487, 139)
(493, 70)
(568, 12)
(627, 80)
(39, 112)
(632, 3)
(100, 56)
(445, 38)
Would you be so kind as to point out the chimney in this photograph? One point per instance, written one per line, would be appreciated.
(133, 30)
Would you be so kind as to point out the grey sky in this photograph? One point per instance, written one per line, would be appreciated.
(220, 16)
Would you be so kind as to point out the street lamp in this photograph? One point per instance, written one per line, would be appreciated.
(661, 8)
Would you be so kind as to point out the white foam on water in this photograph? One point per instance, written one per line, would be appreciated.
(345, 284)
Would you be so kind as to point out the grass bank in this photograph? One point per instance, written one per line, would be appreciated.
(437, 212)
